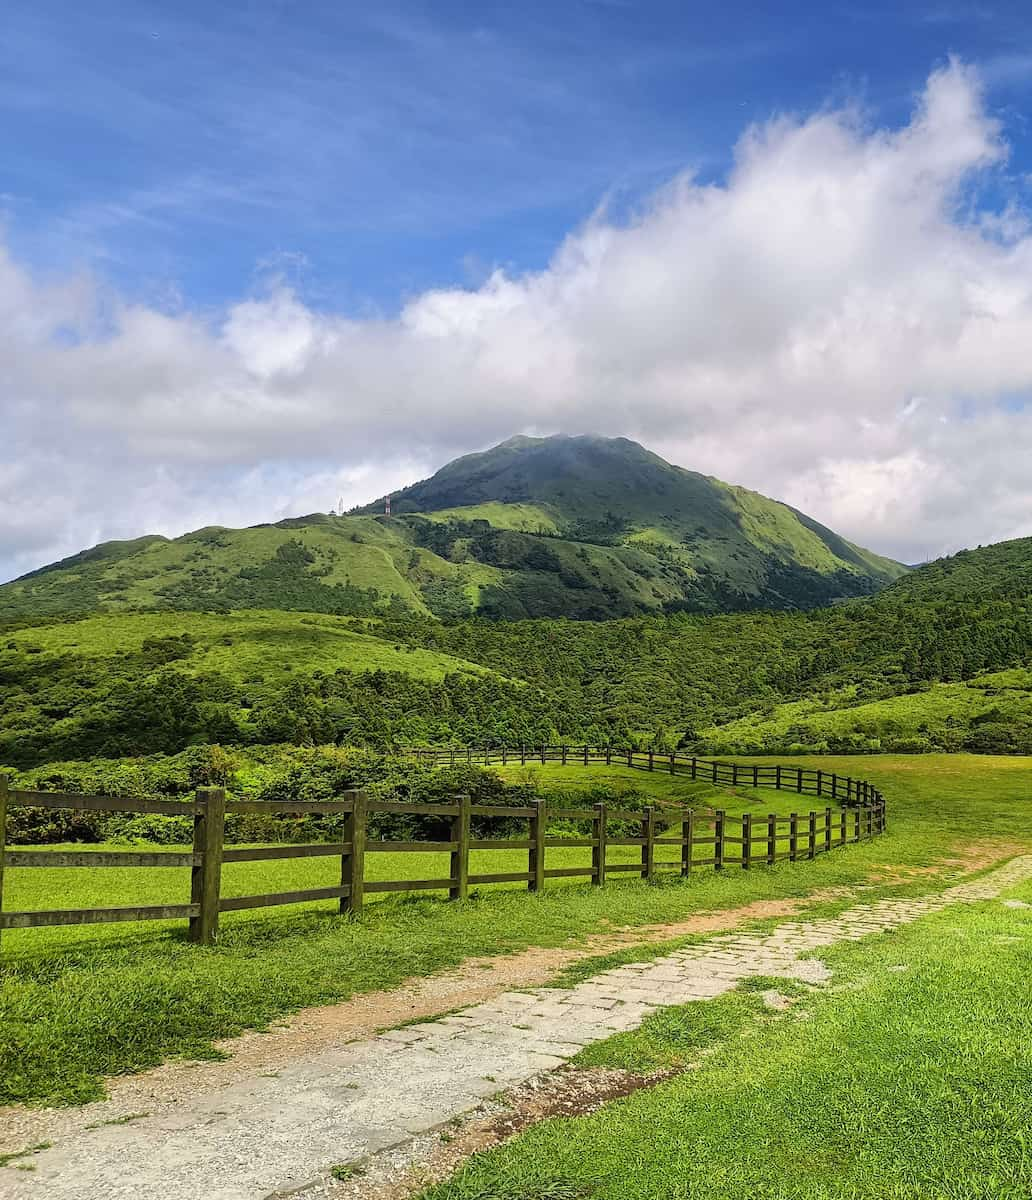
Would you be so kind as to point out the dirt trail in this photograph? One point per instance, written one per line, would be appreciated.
(275, 1133)
(259, 1055)
(316, 1029)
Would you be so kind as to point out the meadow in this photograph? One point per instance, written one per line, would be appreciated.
(77, 1004)
(908, 1079)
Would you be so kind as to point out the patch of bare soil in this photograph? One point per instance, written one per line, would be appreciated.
(964, 858)
(312, 1030)
(566, 1092)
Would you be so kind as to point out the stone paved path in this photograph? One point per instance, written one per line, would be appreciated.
(264, 1136)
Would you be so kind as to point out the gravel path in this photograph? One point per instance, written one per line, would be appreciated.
(266, 1135)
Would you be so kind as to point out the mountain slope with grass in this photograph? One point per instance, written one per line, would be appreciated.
(992, 572)
(590, 528)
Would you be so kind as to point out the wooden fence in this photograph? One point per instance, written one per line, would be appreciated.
(706, 839)
(805, 781)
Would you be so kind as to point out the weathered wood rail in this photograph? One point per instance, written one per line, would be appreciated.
(842, 789)
(706, 839)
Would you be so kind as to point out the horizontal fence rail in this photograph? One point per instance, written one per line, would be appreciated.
(803, 780)
(705, 838)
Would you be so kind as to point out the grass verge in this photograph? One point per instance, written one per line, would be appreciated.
(907, 1080)
(79, 1004)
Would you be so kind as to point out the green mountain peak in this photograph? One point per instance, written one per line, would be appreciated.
(570, 525)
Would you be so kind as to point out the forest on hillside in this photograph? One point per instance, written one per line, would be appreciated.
(673, 681)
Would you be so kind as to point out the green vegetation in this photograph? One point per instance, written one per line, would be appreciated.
(908, 1080)
(872, 675)
(988, 573)
(990, 713)
(80, 1003)
(591, 528)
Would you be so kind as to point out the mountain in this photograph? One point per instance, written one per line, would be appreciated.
(586, 527)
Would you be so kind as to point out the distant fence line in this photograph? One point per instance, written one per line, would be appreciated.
(805, 781)
(723, 841)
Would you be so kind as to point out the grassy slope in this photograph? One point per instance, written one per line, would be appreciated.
(78, 1003)
(1008, 693)
(525, 518)
(1004, 569)
(205, 567)
(637, 533)
(909, 1081)
(588, 481)
(246, 644)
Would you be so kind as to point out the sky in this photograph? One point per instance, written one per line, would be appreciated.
(259, 254)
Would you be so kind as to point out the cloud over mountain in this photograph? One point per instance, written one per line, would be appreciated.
(843, 321)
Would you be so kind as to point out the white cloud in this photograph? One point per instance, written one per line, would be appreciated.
(834, 324)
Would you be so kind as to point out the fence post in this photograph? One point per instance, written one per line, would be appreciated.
(812, 835)
(671, 764)
(793, 837)
(3, 842)
(536, 865)
(856, 830)
(651, 760)
(755, 776)
(648, 851)
(523, 756)
(777, 777)
(564, 755)
(714, 771)
(799, 780)
(746, 840)
(827, 830)
(609, 755)
(718, 840)
(687, 842)
(459, 873)
(598, 850)
(505, 756)
(772, 838)
(206, 875)
(695, 766)
(820, 781)
(352, 867)
(543, 753)
(843, 831)
(585, 756)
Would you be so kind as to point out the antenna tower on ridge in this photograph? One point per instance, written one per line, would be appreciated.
(386, 506)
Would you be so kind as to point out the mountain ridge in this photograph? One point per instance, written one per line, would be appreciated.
(580, 526)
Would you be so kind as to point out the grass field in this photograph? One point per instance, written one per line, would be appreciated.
(77, 1004)
(246, 644)
(1005, 695)
(907, 1080)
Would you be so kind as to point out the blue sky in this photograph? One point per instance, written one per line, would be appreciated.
(371, 151)
(257, 255)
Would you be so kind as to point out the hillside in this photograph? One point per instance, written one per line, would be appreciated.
(987, 573)
(590, 528)
(871, 674)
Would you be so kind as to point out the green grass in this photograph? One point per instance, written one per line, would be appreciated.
(908, 1080)
(525, 518)
(247, 644)
(839, 712)
(555, 780)
(80, 1003)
